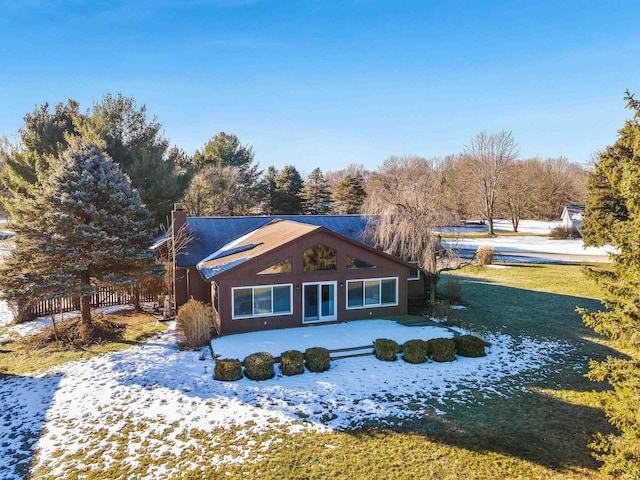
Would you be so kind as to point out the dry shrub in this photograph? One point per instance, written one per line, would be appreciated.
(484, 255)
(227, 370)
(441, 349)
(470, 346)
(453, 290)
(292, 362)
(442, 312)
(194, 321)
(386, 350)
(317, 359)
(259, 366)
(564, 233)
(414, 351)
(72, 334)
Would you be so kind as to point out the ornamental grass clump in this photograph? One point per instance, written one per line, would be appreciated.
(470, 346)
(259, 366)
(292, 362)
(194, 322)
(414, 351)
(227, 370)
(386, 350)
(441, 349)
(317, 359)
(484, 255)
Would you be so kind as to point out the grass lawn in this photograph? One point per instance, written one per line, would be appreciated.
(535, 426)
(539, 431)
(16, 358)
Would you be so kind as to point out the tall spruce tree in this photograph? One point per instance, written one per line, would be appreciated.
(612, 215)
(287, 199)
(315, 194)
(86, 226)
(349, 195)
(119, 127)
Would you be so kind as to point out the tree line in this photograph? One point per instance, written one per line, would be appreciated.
(485, 181)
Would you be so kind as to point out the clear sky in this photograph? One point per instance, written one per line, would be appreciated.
(330, 82)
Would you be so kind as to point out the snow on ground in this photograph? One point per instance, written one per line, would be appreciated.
(522, 243)
(160, 386)
(9, 331)
(532, 244)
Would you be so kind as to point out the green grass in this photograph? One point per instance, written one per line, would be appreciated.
(16, 358)
(539, 430)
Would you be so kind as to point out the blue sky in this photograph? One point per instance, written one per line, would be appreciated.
(330, 82)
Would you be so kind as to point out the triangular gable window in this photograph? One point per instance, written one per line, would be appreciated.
(356, 264)
(319, 257)
(280, 267)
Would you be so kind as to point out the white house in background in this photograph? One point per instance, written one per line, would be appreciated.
(572, 216)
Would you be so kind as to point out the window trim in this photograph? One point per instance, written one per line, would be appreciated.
(413, 279)
(374, 305)
(253, 315)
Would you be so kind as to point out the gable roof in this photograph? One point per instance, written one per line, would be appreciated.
(574, 211)
(211, 234)
(266, 239)
(262, 240)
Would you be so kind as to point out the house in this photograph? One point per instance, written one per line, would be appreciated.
(265, 272)
(571, 217)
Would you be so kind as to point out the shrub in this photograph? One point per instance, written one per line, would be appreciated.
(259, 366)
(317, 359)
(441, 349)
(484, 255)
(564, 233)
(414, 351)
(386, 349)
(194, 322)
(453, 290)
(442, 311)
(227, 370)
(292, 362)
(470, 346)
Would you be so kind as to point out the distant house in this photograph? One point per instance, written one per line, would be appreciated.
(572, 216)
(265, 272)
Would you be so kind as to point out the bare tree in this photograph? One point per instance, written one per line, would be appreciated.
(487, 157)
(408, 201)
(519, 190)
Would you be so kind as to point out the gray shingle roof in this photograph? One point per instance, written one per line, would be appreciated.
(212, 233)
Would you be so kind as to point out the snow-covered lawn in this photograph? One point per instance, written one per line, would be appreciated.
(149, 398)
(523, 243)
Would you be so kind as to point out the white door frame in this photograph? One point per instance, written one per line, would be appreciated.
(320, 317)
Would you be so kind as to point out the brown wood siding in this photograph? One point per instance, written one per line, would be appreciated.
(246, 275)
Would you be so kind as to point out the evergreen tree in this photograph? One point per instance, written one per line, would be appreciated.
(223, 149)
(349, 195)
(315, 194)
(613, 215)
(269, 190)
(115, 124)
(287, 199)
(86, 226)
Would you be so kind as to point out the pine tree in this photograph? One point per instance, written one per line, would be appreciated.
(87, 226)
(287, 198)
(315, 194)
(119, 127)
(349, 195)
(612, 215)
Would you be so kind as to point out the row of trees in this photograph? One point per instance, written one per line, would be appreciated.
(485, 181)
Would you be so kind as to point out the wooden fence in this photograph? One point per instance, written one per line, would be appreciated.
(102, 297)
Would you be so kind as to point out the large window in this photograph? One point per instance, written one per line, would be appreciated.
(262, 301)
(374, 292)
(319, 257)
